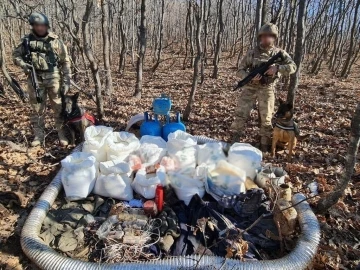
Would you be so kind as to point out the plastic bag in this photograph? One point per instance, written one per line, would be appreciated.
(145, 184)
(152, 149)
(117, 167)
(246, 157)
(116, 186)
(186, 187)
(134, 162)
(168, 163)
(227, 179)
(182, 148)
(95, 141)
(120, 145)
(210, 154)
(78, 175)
(179, 140)
(185, 158)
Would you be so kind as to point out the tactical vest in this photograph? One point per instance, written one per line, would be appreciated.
(262, 57)
(259, 57)
(43, 56)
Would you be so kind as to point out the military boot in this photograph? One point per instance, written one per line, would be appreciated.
(62, 138)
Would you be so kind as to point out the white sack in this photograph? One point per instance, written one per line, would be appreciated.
(182, 148)
(145, 184)
(246, 157)
(116, 186)
(114, 166)
(179, 140)
(95, 141)
(210, 154)
(78, 175)
(120, 145)
(152, 149)
(227, 179)
(186, 187)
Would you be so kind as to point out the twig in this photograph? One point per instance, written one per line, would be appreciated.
(280, 238)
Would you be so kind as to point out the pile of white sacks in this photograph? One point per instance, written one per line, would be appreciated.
(114, 164)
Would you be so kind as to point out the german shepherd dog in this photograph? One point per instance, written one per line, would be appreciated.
(75, 117)
(285, 129)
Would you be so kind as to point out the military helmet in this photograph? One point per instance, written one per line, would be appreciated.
(38, 18)
(270, 29)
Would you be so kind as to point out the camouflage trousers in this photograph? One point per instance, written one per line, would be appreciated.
(49, 84)
(266, 100)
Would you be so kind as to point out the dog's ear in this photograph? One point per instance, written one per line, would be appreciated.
(280, 101)
(75, 96)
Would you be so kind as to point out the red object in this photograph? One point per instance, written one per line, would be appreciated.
(159, 197)
(150, 208)
(86, 115)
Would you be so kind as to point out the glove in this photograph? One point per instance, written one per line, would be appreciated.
(65, 89)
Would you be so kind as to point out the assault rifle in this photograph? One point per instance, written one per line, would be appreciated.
(260, 70)
(18, 90)
(27, 59)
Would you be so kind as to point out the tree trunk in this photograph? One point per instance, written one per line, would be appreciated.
(258, 20)
(199, 14)
(264, 12)
(207, 8)
(187, 23)
(299, 52)
(133, 33)
(90, 56)
(344, 72)
(106, 45)
(219, 40)
(332, 198)
(160, 38)
(123, 38)
(142, 49)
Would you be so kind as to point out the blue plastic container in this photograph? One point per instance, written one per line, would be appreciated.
(162, 105)
(171, 127)
(150, 127)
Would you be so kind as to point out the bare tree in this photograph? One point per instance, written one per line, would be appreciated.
(160, 37)
(299, 52)
(142, 49)
(219, 39)
(90, 56)
(354, 28)
(258, 20)
(199, 15)
(123, 37)
(106, 45)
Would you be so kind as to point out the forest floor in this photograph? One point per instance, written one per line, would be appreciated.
(324, 108)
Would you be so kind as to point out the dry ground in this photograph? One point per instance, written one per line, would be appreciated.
(324, 108)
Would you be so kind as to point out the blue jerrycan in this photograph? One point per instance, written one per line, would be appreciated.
(149, 126)
(171, 127)
(162, 105)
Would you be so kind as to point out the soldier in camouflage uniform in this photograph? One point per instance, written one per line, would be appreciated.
(262, 89)
(52, 64)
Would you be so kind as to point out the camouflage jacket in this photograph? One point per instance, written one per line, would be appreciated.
(254, 57)
(48, 55)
